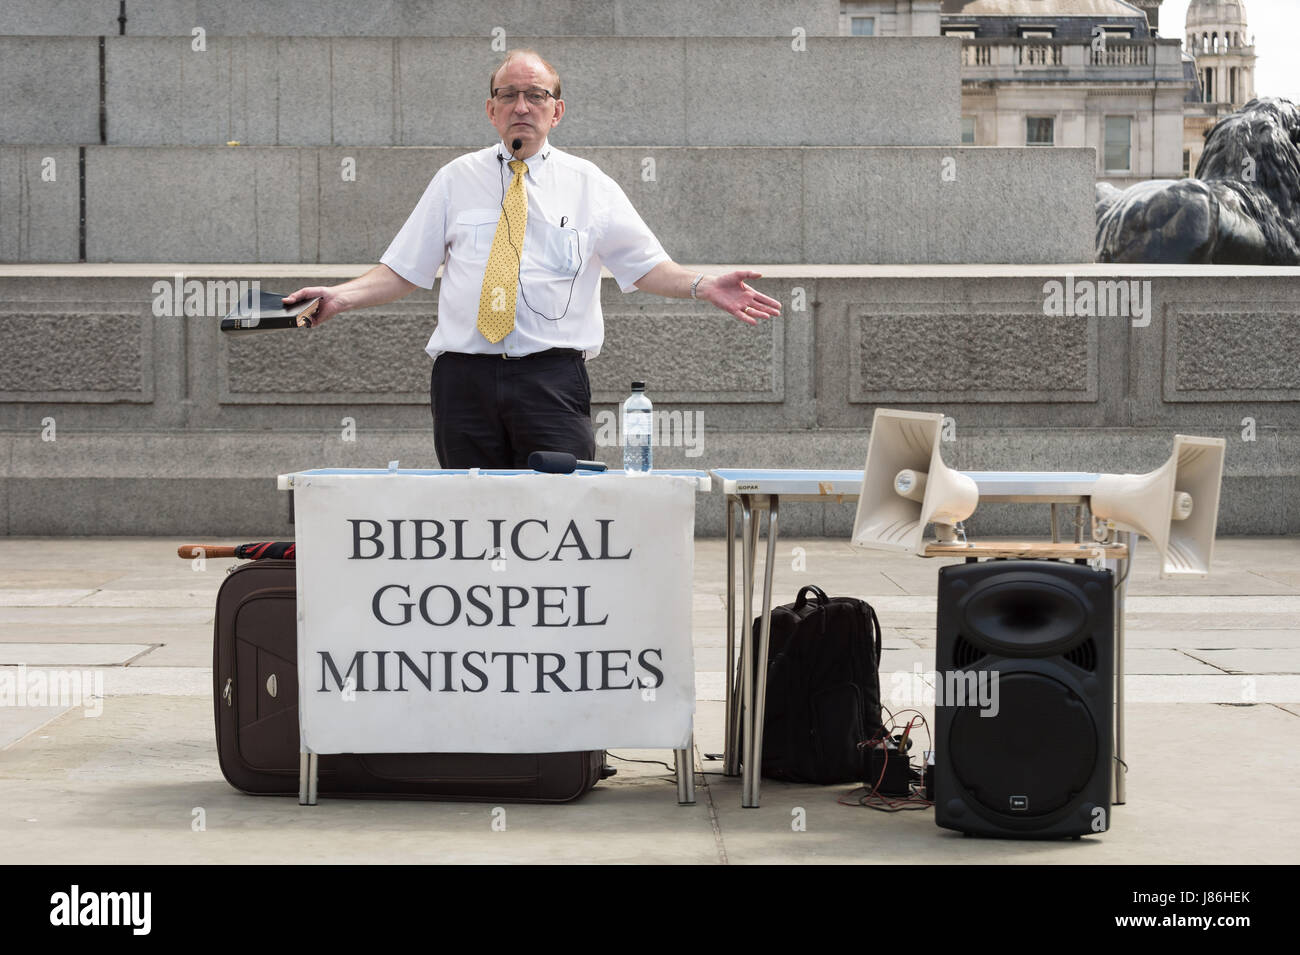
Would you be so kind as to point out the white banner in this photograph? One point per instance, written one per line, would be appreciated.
(494, 613)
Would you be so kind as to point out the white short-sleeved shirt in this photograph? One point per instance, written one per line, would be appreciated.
(578, 220)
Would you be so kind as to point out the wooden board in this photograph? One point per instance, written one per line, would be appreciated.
(1066, 550)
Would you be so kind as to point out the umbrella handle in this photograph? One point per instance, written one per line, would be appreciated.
(190, 551)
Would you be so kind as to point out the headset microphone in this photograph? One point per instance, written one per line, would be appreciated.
(515, 145)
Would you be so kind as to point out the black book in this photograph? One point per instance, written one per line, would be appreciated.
(266, 312)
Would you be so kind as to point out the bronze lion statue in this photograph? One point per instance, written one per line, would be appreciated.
(1241, 208)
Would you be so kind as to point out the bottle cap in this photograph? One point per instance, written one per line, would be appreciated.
(638, 386)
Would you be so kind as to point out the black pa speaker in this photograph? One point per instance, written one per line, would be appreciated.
(1024, 699)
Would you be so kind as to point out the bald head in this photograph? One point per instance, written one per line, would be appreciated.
(552, 79)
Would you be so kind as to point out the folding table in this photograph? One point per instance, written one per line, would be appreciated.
(756, 490)
(308, 762)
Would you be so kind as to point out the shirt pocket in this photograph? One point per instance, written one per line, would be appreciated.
(476, 228)
(558, 251)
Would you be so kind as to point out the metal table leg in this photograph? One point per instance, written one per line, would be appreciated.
(754, 755)
(308, 769)
(731, 746)
(685, 762)
(1121, 591)
(748, 546)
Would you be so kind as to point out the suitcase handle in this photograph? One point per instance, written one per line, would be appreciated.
(822, 599)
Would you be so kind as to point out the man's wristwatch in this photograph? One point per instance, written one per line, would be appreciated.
(696, 284)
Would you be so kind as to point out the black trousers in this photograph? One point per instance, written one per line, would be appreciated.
(492, 412)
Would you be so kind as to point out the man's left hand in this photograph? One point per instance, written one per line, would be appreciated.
(730, 293)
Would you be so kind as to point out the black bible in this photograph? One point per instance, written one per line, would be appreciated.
(266, 312)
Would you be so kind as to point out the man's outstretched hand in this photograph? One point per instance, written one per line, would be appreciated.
(329, 302)
(730, 293)
(377, 287)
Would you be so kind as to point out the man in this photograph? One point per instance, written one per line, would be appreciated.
(515, 328)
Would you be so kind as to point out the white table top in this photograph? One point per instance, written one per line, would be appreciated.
(284, 482)
(825, 485)
(789, 482)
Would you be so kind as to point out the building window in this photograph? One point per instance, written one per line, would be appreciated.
(1039, 34)
(1187, 162)
(1118, 33)
(862, 26)
(1119, 142)
(968, 130)
(1040, 131)
(966, 33)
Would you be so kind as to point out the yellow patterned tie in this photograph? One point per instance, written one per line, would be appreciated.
(496, 303)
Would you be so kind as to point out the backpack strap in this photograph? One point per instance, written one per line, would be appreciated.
(875, 623)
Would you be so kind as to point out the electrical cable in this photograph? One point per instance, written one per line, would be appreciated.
(519, 258)
(656, 762)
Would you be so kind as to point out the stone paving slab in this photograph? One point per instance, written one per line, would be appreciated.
(119, 777)
(1240, 660)
(18, 721)
(71, 654)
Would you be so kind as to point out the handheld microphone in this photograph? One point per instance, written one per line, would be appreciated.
(561, 462)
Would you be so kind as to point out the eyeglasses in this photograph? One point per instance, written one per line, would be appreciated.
(535, 96)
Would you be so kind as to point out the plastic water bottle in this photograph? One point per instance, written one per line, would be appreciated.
(637, 429)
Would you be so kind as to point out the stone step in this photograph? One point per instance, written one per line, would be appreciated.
(222, 484)
(727, 204)
(117, 417)
(290, 18)
(404, 91)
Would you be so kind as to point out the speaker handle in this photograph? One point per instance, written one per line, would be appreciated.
(822, 599)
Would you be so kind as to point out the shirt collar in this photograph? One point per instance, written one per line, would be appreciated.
(535, 161)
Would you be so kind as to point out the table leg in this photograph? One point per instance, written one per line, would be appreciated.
(755, 753)
(685, 762)
(748, 547)
(308, 770)
(1121, 591)
(731, 746)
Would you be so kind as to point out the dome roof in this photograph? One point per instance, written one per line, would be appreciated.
(1210, 13)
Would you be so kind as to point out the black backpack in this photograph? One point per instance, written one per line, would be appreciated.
(823, 689)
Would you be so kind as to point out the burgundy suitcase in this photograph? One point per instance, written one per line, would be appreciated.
(255, 679)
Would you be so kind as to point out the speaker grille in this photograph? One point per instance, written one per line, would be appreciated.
(1026, 613)
(965, 654)
(1084, 656)
(1035, 756)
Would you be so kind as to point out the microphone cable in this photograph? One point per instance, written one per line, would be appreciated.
(519, 263)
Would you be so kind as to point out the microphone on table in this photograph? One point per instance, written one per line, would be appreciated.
(561, 462)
